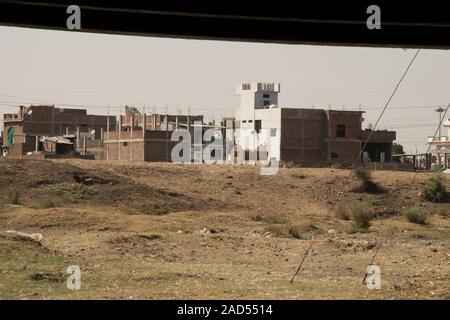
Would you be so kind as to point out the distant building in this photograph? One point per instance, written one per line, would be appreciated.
(441, 152)
(133, 143)
(156, 122)
(306, 136)
(22, 130)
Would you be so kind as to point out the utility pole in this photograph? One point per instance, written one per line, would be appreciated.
(440, 110)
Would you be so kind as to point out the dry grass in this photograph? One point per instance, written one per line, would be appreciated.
(416, 216)
(125, 253)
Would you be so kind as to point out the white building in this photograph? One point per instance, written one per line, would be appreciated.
(259, 118)
(442, 147)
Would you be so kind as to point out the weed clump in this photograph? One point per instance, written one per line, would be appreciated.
(74, 191)
(47, 204)
(415, 216)
(364, 175)
(361, 217)
(434, 190)
(13, 197)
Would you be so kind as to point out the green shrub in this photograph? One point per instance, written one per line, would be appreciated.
(415, 216)
(367, 184)
(360, 215)
(13, 197)
(294, 232)
(73, 191)
(434, 190)
(362, 173)
(362, 218)
(47, 204)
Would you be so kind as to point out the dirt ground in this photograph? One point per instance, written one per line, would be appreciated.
(167, 231)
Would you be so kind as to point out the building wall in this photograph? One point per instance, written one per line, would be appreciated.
(253, 98)
(132, 116)
(27, 144)
(156, 146)
(302, 135)
(347, 148)
(48, 120)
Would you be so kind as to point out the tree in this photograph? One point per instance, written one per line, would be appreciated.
(397, 148)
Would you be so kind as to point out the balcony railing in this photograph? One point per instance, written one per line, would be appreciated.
(11, 116)
(438, 139)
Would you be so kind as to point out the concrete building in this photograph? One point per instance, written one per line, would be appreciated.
(307, 136)
(441, 151)
(134, 118)
(133, 143)
(22, 130)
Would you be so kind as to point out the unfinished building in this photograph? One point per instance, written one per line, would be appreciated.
(312, 137)
(133, 143)
(22, 130)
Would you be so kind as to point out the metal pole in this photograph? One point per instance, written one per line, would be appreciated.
(120, 134)
(78, 137)
(144, 127)
(167, 137)
(107, 138)
(439, 110)
(131, 140)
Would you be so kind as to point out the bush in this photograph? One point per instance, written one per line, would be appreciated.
(360, 215)
(434, 190)
(365, 176)
(13, 197)
(415, 216)
(48, 203)
(362, 218)
(362, 173)
(294, 232)
(73, 190)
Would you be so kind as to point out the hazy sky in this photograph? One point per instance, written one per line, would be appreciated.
(70, 68)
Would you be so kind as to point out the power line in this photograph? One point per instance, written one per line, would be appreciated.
(441, 120)
(358, 157)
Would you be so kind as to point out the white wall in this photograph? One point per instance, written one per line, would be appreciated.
(252, 109)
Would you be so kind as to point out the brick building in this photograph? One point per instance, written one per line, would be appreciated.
(132, 143)
(133, 117)
(22, 130)
(307, 136)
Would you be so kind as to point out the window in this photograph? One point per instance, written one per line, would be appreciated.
(10, 136)
(244, 121)
(340, 131)
(250, 121)
(268, 86)
(266, 96)
(258, 126)
(266, 103)
(125, 144)
(273, 132)
(334, 155)
(246, 86)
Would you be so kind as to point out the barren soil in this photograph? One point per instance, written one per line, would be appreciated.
(166, 231)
